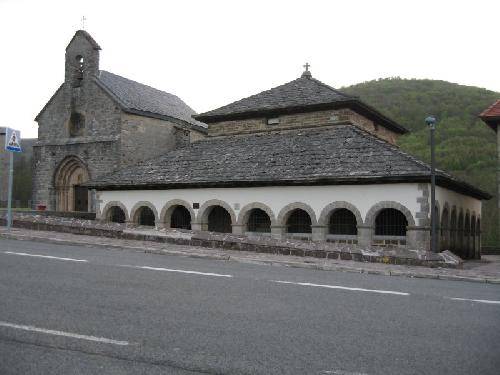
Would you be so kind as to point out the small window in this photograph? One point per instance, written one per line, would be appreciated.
(76, 124)
(273, 121)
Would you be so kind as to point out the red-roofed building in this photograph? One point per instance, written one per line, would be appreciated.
(491, 116)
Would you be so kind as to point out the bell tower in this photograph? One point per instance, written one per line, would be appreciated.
(82, 58)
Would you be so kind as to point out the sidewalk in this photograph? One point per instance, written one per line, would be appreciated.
(486, 270)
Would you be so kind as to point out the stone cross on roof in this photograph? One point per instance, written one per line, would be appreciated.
(83, 22)
(307, 73)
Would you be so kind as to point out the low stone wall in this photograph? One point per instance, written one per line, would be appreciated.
(71, 214)
(234, 242)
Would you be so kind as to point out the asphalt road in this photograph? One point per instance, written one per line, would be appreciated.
(84, 310)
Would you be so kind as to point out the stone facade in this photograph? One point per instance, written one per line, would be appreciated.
(302, 120)
(85, 123)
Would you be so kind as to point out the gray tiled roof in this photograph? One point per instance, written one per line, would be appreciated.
(142, 99)
(302, 94)
(338, 154)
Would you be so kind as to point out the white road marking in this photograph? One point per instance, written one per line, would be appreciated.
(492, 302)
(341, 372)
(175, 270)
(46, 256)
(62, 333)
(344, 288)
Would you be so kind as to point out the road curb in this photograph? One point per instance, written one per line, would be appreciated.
(284, 263)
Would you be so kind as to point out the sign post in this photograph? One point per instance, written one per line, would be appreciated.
(12, 144)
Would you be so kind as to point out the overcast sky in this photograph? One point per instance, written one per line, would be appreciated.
(210, 53)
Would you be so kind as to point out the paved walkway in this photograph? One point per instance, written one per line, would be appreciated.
(486, 270)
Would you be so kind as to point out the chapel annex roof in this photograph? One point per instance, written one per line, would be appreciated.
(344, 154)
(137, 98)
(300, 95)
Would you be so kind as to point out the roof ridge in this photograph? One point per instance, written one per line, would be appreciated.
(394, 147)
(140, 83)
(485, 112)
(332, 88)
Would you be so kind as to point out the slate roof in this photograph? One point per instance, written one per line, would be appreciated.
(343, 154)
(135, 97)
(302, 94)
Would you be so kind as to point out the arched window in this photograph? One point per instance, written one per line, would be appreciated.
(467, 242)
(445, 229)
(146, 216)
(76, 124)
(390, 222)
(180, 218)
(473, 235)
(116, 215)
(298, 221)
(343, 221)
(453, 231)
(259, 221)
(219, 220)
(460, 234)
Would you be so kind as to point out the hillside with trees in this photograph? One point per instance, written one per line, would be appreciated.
(465, 146)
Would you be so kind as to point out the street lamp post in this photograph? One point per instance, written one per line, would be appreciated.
(431, 122)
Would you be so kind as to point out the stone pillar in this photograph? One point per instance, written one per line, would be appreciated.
(418, 238)
(196, 227)
(318, 232)
(365, 233)
(277, 231)
(238, 229)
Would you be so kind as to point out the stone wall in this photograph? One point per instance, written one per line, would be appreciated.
(143, 138)
(97, 147)
(301, 120)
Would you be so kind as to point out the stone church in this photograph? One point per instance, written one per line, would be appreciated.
(98, 122)
(298, 161)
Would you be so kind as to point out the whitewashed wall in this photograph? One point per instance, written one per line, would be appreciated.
(458, 200)
(363, 197)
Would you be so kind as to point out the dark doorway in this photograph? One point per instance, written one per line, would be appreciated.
(116, 215)
(390, 222)
(299, 221)
(146, 217)
(81, 198)
(259, 221)
(219, 220)
(344, 222)
(181, 218)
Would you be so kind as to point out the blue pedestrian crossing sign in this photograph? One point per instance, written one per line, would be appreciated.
(13, 140)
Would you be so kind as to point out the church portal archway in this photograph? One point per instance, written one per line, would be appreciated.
(70, 195)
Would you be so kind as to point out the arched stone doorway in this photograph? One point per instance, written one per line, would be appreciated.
(70, 196)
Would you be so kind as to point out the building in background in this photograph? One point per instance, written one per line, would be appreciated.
(98, 122)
